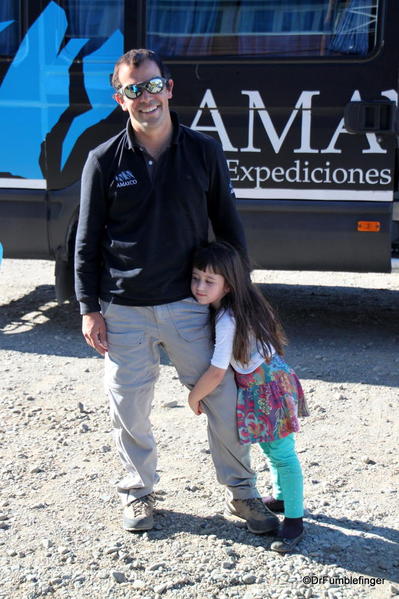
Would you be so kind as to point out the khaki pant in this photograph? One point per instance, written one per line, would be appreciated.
(131, 369)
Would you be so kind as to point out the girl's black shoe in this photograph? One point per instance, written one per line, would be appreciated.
(289, 535)
(284, 545)
(274, 505)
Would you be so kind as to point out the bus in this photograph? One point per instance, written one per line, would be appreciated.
(302, 95)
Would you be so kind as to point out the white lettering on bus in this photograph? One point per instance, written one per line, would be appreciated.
(246, 173)
(313, 176)
(265, 174)
(233, 170)
(209, 101)
(302, 172)
(303, 105)
(304, 102)
(371, 175)
(278, 174)
(386, 176)
(357, 171)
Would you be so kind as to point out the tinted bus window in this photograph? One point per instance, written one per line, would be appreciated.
(96, 20)
(262, 27)
(9, 27)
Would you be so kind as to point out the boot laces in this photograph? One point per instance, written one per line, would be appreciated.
(143, 505)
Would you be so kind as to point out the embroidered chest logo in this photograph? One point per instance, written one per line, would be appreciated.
(125, 178)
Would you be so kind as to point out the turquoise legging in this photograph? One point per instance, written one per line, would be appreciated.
(286, 473)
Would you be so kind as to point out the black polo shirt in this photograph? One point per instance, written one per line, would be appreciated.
(139, 223)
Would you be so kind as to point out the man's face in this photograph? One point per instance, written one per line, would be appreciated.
(149, 112)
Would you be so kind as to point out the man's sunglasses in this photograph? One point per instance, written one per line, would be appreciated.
(152, 86)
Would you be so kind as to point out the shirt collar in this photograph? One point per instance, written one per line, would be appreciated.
(131, 138)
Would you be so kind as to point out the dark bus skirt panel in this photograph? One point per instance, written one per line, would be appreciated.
(317, 235)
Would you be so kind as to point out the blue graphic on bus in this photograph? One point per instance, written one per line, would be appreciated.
(98, 93)
(5, 24)
(37, 84)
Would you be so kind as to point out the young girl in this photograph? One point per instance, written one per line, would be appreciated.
(249, 337)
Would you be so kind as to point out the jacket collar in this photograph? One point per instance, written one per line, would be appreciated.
(131, 138)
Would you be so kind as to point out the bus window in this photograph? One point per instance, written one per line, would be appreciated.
(262, 27)
(9, 27)
(96, 20)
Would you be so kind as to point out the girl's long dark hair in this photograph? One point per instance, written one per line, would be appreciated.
(253, 314)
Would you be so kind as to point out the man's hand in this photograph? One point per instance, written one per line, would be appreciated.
(95, 331)
(195, 405)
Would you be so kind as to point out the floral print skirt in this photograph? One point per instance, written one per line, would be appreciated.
(270, 400)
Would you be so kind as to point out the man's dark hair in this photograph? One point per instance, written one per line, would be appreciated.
(134, 58)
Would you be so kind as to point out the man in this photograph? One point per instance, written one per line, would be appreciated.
(147, 194)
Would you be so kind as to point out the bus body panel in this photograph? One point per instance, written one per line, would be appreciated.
(314, 236)
(23, 223)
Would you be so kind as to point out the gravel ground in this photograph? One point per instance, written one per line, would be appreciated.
(60, 520)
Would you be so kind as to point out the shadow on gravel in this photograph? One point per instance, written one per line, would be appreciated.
(325, 325)
(374, 555)
(390, 534)
(371, 556)
(35, 323)
(340, 334)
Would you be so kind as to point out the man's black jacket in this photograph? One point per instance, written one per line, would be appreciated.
(137, 231)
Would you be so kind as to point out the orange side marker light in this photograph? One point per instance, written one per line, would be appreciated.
(368, 226)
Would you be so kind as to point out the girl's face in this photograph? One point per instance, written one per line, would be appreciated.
(208, 287)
